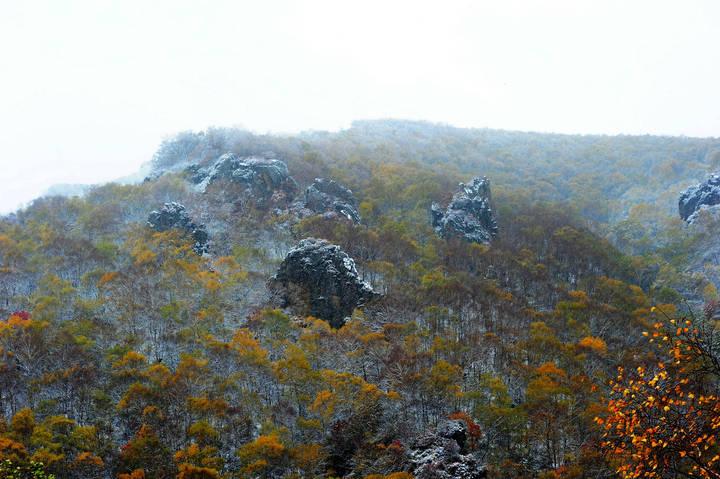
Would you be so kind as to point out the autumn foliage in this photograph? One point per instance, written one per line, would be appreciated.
(663, 418)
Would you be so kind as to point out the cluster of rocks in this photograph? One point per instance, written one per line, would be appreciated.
(330, 197)
(260, 179)
(173, 216)
(703, 195)
(321, 276)
(469, 215)
(443, 454)
(317, 277)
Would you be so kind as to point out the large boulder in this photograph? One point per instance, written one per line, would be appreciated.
(259, 179)
(321, 279)
(469, 215)
(328, 196)
(442, 454)
(702, 195)
(173, 216)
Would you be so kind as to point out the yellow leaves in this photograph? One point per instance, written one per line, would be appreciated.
(393, 395)
(248, 348)
(130, 358)
(295, 367)
(265, 447)
(324, 403)
(203, 404)
(661, 417)
(210, 280)
(594, 344)
(444, 378)
(142, 255)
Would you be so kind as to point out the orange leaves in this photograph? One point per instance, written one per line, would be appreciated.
(550, 369)
(87, 458)
(107, 277)
(136, 474)
(12, 450)
(188, 471)
(658, 420)
(17, 321)
(264, 452)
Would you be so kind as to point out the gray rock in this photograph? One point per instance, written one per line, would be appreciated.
(441, 454)
(705, 194)
(261, 179)
(328, 196)
(173, 216)
(468, 216)
(321, 276)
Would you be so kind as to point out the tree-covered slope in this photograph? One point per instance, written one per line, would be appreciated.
(126, 349)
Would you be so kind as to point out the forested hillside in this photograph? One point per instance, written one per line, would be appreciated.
(625, 188)
(180, 327)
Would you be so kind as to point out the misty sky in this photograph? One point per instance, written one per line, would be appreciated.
(88, 89)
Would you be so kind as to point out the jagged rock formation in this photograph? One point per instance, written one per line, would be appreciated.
(328, 196)
(705, 194)
(443, 454)
(173, 216)
(261, 179)
(468, 216)
(322, 277)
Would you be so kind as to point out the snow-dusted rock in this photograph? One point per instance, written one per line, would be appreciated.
(468, 216)
(173, 216)
(702, 195)
(261, 179)
(441, 454)
(329, 196)
(320, 278)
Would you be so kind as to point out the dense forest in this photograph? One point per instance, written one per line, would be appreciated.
(160, 329)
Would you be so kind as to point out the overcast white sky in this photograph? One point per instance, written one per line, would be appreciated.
(89, 88)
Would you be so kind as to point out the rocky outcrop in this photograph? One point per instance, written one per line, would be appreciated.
(702, 195)
(469, 215)
(329, 196)
(259, 179)
(321, 279)
(173, 216)
(443, 454)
